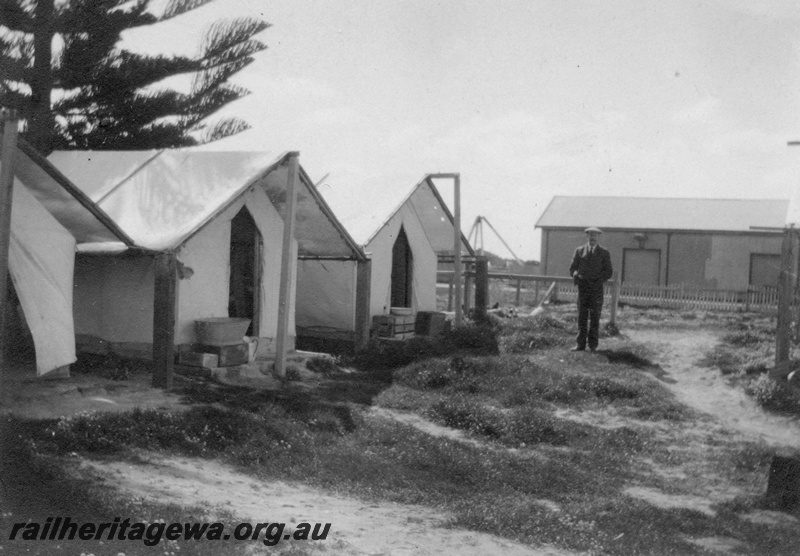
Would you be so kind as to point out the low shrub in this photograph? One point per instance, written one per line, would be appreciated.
(572, 388)
(466, 414)
(202, 431)
(772, 394)
(322, 365)
(745, 339)
(471, 339)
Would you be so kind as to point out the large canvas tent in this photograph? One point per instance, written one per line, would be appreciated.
(51, 219)
(405, 239)
(220, 214)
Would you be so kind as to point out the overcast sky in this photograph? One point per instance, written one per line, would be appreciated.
(526, 99)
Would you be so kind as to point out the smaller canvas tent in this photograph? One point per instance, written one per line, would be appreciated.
(51, 219)
(405, 244)
(220, 214)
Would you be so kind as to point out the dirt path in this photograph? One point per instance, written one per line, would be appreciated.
(707, 390)
(357, 527)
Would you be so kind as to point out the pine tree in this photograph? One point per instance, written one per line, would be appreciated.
(87, 92)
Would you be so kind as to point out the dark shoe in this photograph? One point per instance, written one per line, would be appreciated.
(578, 348)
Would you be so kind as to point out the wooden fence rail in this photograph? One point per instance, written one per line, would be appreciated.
(676, 296)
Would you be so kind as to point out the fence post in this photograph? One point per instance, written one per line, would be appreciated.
(450, 292)
(481, 288)
(614, 297)
(536, 294)
(554, 297)
(783, 332)
(519, 290)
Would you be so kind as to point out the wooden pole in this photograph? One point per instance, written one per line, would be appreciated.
(450, 292)
(614, 297)
(783, 333)
(284, 306)
(9, 148)
(481, 288)
(457, 246)
(165, 289)
(363, 284)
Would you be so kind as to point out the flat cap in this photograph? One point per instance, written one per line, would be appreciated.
(593, 229)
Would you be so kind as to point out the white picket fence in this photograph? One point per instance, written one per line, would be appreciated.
(520, 289)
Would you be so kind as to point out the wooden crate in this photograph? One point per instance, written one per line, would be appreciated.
(393, 326)
(430, 323)
(194, 359)
(228, 355)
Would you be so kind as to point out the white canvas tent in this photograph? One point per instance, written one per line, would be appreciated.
(187, 203)
(326, 289)
(51, 219)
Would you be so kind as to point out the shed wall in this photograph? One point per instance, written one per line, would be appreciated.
(712, 260)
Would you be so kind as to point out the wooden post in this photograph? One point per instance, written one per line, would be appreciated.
(165, 288)
(284, 305)
(9, 149)
(519, 291)
(536, 293)
(287, 260)
(450, 292)
(783, 483)
(457, 246)
(783, 332)
(468, 284)
(363, 285)
(614, 297)
(481, 288)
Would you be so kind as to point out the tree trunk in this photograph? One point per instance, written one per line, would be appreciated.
(41, 122)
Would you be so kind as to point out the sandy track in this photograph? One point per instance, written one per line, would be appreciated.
(707, 390)
(357, 527)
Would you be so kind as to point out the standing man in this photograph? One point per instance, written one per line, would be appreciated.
(590, 268)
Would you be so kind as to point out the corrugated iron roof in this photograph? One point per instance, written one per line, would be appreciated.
(643, 213)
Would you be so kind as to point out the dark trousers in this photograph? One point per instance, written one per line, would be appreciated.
(590, 305)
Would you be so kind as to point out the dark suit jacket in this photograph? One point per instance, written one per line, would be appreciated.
(593, 269)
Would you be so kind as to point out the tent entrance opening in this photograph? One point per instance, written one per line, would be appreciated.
(402, 271)
(245, 261)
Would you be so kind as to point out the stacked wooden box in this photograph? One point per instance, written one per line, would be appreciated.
(215, 356)
(398, 327)
(430, 323)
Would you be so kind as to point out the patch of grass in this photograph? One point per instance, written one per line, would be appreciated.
(37, 486)
(746, 338)
(521, 335)
(472, 339)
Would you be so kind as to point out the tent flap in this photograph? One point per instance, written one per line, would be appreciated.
(41, 263)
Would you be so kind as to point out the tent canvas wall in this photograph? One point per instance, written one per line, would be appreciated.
(326, 289)
(51, 219)
(184, 202)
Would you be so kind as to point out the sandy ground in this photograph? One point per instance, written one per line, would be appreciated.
(706, 389)
(357, 527)
(361, 528)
